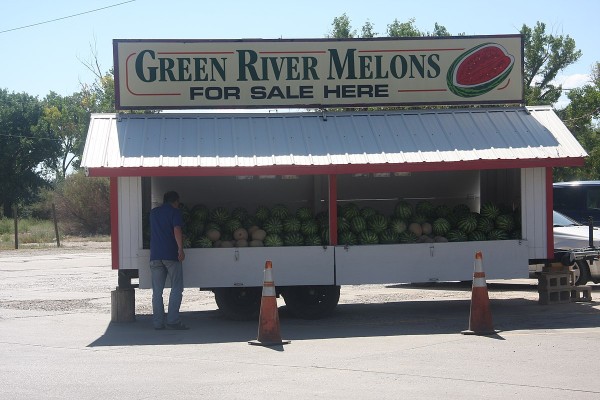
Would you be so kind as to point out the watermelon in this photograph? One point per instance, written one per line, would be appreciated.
(368, 237)
(467, 223)
(280, 211)
(358, 224)
(343, 225)
(232, 224)
(349, 211)
(293, 239)
(347, 238)
(485, 224)
(377, 223)
(309, 227)
(425, 208)
(324, 235)
(389, 236)
(219, 215)
(239, 213)
(262, 213)
(273, 225)
(489, 210)
(408, 237)
(202, 242)
(273, 240)
(200, 212)
(397, 225)
(304, 213)
(477, 236)
(312, 240)
(367, 212)
(497, 234)
(479, 70)
(403, 210)
(457, 235)
(291, 224)
(505, 222)
(440, 226)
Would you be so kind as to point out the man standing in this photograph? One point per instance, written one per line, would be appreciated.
(166, 256)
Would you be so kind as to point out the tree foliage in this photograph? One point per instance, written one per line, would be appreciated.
(545, 56)
(24, 150)
(83, 204)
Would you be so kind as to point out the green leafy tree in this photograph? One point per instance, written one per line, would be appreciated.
(581, 117)
(342, 28)
(545, 56)
(24, 150)
(403, 29)
(66, 119)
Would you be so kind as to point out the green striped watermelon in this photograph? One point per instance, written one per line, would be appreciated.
(313, 240)
(425, 208)
(467, 223)
(389, 236)
(505, 222)
(485, 224)
(220, 215)
(489, 210)
(497, 234)
(408, 237)
(440, 227)
(273, 225)
(291, 224)
(309, 227)
(457, 235)
(397, 225)
(273, 240)
(293, 239)
(403, 210)
(358, 224)
(377, 223)
(262, 213)
(304, 213)
(367, 212)
(280, 211)
(347, 238)
(368, 237)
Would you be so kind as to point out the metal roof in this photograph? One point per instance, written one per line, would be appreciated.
(395, 139)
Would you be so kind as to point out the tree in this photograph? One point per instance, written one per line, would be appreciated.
(581, 116)
(545, 56)
(342, 28)
(24, 150)
(403, 29)
(66, 119)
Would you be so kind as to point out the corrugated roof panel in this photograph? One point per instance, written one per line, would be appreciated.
(248, 140)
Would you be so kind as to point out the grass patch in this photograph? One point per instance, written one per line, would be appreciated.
(31, 231)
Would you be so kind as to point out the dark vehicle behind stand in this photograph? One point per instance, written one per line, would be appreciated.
(579, 200)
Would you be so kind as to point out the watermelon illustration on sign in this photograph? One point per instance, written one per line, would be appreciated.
(479, 70)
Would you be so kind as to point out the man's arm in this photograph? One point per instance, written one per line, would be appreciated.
(179, 239)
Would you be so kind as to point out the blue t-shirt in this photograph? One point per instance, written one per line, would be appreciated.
(163, 219)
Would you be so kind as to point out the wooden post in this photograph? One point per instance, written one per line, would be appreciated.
(122, 305)
(15, 216)
(55, 225)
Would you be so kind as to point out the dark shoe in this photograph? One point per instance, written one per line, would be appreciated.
(159, 328)
(178, 326)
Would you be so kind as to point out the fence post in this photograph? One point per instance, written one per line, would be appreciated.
(16, 217)
(55, 225)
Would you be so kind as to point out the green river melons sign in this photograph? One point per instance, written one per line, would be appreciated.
(313, 73)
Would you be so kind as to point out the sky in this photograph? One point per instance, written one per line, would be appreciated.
(38, 57)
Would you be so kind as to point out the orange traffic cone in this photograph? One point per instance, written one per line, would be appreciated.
(268, 324)
(480, 321)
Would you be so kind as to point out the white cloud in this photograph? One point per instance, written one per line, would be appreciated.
(572, 81)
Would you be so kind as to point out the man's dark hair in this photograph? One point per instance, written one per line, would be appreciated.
(170, 197)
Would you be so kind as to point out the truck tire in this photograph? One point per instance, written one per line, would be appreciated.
(581, 271)
(311, 302)
(240, 304)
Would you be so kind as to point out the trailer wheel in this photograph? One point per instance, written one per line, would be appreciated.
(240, 304)
(581, 272)
(311, 302)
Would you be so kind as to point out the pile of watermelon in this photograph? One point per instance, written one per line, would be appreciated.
(417, 222)
(425, 222)
(272, 227)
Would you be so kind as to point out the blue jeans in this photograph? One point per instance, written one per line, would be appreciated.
(160, 270)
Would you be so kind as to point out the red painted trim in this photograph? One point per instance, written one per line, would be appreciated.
(549, 217)
(337, 169)
(333, 239)
(114, 221)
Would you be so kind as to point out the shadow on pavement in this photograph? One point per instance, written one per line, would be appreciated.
(426, 317)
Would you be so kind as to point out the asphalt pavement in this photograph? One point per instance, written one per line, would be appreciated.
(57, 341)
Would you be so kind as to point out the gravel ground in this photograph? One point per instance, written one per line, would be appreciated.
(89, 289)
